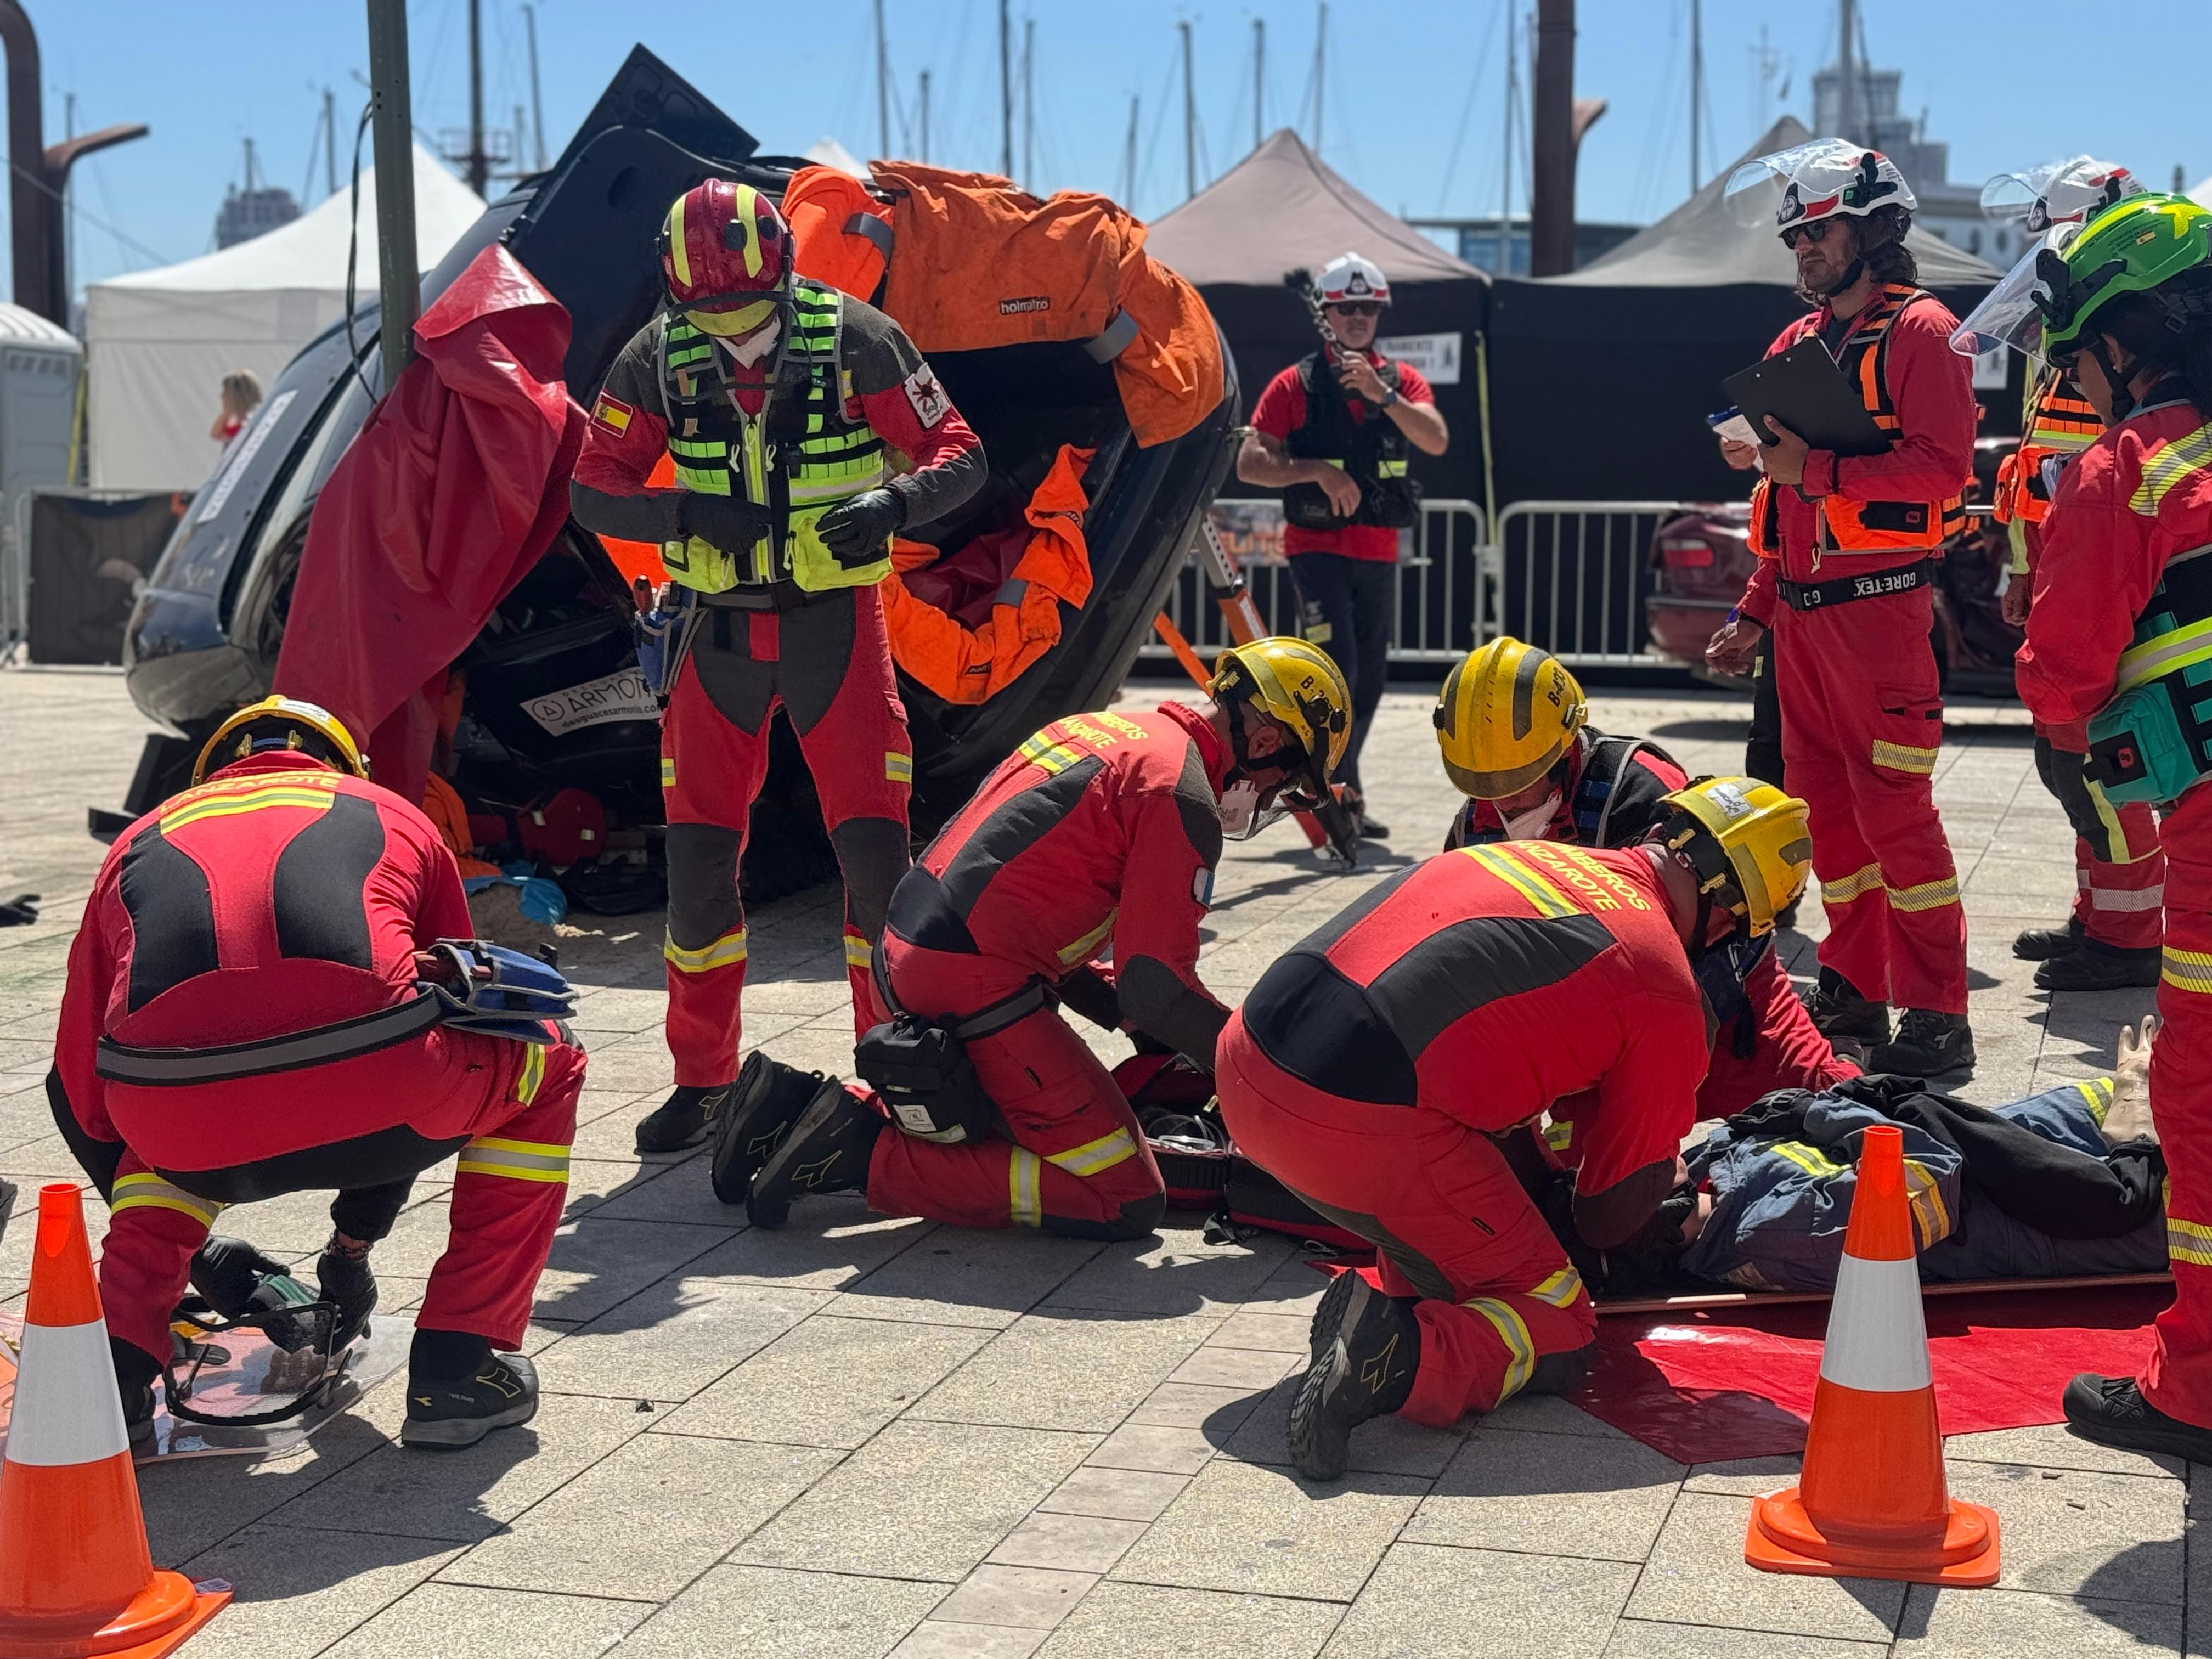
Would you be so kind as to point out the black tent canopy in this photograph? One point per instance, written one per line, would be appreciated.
(1282, 207)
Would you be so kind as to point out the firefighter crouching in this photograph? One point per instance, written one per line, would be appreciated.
(1849, 548)
(1372, 1067)
(1101, 832)
(1516, 740)
(781, 403)
(274, 991)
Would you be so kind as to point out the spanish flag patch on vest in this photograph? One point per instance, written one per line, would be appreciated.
(613, 413)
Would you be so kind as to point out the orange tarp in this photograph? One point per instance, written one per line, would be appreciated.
(977, 262)
(971, 665)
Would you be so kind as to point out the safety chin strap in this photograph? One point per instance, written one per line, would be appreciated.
(1852, 272)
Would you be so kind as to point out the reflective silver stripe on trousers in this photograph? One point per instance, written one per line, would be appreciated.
(169, 1067)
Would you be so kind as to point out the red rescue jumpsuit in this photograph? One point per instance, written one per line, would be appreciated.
(1371, 1065)
(2137, 497)
(1787, 1050)
(1102, 831)
(277, 897)
(1861, 702)
(2120, 874)
(825, 661)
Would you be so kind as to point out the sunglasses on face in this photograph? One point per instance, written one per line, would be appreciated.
(1816, 232)
(1356, 308)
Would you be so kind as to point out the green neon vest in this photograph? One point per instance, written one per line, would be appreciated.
(800, 456)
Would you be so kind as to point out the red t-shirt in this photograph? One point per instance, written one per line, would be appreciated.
(1282, 410)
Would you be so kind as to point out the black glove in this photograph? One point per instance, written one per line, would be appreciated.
(723, 521)
(855, 531)
(228, 1271)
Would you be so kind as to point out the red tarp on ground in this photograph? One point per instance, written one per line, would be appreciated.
(445, 497)
(1739, 1383)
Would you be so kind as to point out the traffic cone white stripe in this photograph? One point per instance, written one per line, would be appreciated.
(1877, 1339)
(57, 1419)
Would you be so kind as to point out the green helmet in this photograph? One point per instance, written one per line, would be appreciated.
(2134, 247)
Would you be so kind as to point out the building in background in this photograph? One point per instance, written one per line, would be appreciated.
(1871, 116)
(253, 208)
(1477, 241)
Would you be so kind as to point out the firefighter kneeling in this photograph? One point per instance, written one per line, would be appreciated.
(272, 992)
(1373, 1068)
(1103, 830)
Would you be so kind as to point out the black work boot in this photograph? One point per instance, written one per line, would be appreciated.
(135, 1373)
(1838, 1010)
(682, 1119)
(1559, 1373)
(342, 1276)
(766, 1100)
(2042, 944)
(1369, 1346)
(826, 1152)
(1928, 1044)
(449, 1409)
(2093, 965)
(2112, 1410)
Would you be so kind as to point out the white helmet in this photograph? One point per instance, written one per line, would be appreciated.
(1821, 180)
(1349, 278)
(2066, 193)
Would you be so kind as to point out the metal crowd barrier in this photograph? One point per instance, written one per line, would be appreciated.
(1572, 576)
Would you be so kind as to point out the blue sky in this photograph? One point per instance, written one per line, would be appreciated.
(1413, 90)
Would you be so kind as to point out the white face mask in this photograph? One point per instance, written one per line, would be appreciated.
(1531, 824)
(1240, 805)
(750, 350)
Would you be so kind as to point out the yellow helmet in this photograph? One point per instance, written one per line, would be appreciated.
(1748, 843)
(1504, 717)
(1298, 685)
(281, 723)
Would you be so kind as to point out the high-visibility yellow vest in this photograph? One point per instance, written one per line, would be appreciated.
(800, 456)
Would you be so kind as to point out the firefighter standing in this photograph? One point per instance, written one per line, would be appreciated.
(780, 402)
(2121, 614)
(1516, 740)
(1332, 433)
(1101, 833)
(1372, 1066)
(1849, 547)
(244, 1018)
(2111, 938)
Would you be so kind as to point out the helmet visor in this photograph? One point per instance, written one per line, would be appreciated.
(729, 322)
(2007, 315)
(1820, 169)
(262, 1368)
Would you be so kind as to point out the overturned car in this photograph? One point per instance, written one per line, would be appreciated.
(1106, 421)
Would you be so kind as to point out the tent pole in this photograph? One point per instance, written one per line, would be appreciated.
(882, 86)
(393, 127)
(1005, 90)
(1189, 119)
(1489, 473)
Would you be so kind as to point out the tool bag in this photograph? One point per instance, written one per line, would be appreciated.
(922, 1074)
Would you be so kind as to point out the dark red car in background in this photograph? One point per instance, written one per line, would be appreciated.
(1699, 563)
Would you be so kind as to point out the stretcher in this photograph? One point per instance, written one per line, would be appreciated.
(1710, 1302)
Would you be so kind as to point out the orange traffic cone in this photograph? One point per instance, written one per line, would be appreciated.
(1872, 1502)
(76, 1578)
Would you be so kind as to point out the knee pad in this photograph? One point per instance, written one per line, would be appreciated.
(703, 882)
(872, 853)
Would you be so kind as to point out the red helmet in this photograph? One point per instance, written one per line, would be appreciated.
(725, 256)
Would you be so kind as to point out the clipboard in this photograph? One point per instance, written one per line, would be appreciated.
(1804, 390)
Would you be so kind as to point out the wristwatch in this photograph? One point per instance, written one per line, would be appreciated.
(1389, 397)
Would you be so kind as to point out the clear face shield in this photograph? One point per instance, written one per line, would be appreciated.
(1775, 191)
(265, 1367)
(2058, 193)
(2007, 315)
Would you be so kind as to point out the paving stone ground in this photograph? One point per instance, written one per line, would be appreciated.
(865, 1436)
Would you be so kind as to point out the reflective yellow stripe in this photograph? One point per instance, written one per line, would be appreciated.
(1547, 899)
(2168, 465)
(1072, 954)
(150, 1192)
(898, 768)
(516, 1160)
(858, 953)
(1845, 889)
(1559, 1135)
(2189, 1241)
(667, 772)
(533, 1074)
(306, 798)
(725, 950)
(1520, 1346)
(1052, 757)
(679, 257)
(1928, 896)
(1930, 1213)
(2187, 970)
(1811, 1159)
(1023, 1172)
(2098, 1091)
(1902, 757)
(1561, 1289)
(1094, 1156)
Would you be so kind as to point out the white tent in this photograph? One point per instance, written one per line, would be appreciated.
(827, 152)
(160, 342)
